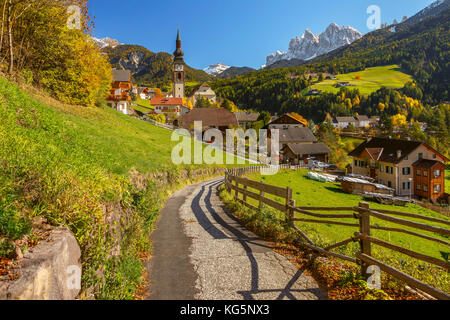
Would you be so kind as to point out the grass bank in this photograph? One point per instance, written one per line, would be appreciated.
(79, 167)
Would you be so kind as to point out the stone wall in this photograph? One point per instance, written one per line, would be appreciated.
(49, 271)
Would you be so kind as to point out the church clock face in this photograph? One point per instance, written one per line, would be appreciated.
(179, 67)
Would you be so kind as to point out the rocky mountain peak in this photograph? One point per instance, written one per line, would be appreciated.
(216, 69)
(310, 45)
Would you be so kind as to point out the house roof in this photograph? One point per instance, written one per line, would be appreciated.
(292, 134)
(210, 117)
(345, 119)
(314, 148)
(121, 75)
(292, 117)
(362, 118)
(166, 101)
(203, 85)
(247, 116)
(424, 163)
(374, 153)
(390, 148)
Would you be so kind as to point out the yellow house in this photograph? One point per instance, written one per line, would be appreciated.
(392, 163)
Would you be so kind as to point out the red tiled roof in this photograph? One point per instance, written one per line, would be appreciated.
(166, 101)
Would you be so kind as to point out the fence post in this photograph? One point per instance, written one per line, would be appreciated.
(364, 229)
(289, 211)
(227, 182)
(245, 193)
(262, 194)
(236, 192)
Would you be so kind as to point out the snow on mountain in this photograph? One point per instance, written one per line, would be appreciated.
(216, 69)
(432, 10)
(310, 45)
(106, 42)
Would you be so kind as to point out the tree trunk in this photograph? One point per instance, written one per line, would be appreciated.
(10, 37)
(3, 26)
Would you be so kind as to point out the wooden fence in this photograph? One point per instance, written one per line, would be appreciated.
(362, 215)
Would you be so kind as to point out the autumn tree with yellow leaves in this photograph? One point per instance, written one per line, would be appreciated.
(38, 44)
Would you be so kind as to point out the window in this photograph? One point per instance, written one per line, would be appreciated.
(437, 173)
(381, 168)
(419, 187)
(406, 171)
(437, 188)
(434, 156)
(419, 172)
(406, 185)
(420, 156)
(389, 184)
(356, 163)
(389, 170)
(425, 173)
(425, 188)
(381, 181)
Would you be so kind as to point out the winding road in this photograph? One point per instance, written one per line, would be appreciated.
(202, 252)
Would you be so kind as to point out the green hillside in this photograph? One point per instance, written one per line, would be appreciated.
(154, 69)
(371, 80)
(80, 166)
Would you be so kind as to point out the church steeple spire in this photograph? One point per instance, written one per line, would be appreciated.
(178, 52)
(178, 70)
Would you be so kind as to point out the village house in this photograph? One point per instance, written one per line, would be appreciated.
(246, 119)
(411, 168)
(344, 122)
(298, 144)
(295, 153)
(288, 120)
(171, 108)
(314, 92)
(217, 118)
(374, 121)
(119, 97)
(203, 91)
(146, 93)
(360, 121)
(344, 84)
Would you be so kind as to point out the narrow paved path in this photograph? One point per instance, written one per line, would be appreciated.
(202, 252)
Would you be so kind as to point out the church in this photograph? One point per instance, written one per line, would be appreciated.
(179, 75)
(175, 106)
(179, 79)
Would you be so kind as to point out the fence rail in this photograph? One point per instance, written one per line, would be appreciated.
(362, 215)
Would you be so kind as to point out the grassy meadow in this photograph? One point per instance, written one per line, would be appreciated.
(143, 105)
(371, 80)
(309, 193)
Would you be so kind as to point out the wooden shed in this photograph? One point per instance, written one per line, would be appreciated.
(359, 186)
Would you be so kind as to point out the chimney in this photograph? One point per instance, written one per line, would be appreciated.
(399, 154)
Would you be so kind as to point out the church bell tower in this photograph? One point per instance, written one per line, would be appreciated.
(178, 71)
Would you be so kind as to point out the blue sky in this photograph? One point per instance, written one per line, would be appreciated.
(234, 32)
